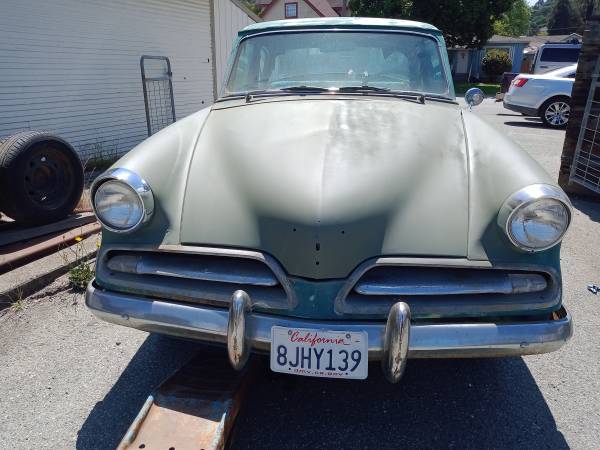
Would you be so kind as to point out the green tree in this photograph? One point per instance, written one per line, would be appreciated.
(540, 12)
(563, 18)
(514, 22)
(252, 6)
(587, 8)
(466, 23)
(396, 9)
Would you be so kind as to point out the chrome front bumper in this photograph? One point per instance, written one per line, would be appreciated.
(392, 342)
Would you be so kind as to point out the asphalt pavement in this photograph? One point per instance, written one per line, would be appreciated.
(68, 380)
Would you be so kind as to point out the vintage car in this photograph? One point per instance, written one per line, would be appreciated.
(335, 206)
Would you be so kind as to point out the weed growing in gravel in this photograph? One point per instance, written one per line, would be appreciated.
(19, 305)
(17, 300)
(81, 275)
(81, 271)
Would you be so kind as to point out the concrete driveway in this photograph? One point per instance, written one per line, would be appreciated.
(69, 380)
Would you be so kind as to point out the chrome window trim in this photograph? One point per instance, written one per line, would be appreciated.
(524, 197)
(135, 182)
(266, 259)
(456, 263)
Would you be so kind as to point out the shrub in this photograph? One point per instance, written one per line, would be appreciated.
(495, 63)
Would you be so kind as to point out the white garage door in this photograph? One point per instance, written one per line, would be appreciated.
(73, 66)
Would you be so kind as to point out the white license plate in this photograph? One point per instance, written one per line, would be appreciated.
(319, 353)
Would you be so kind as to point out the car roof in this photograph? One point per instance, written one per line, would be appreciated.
(340, 22)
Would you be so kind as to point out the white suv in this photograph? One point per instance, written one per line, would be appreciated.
(547, 95)
(551, 57)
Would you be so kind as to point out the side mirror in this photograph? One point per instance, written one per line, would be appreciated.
(474, 97)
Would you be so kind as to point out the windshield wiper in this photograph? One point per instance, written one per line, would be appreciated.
(299, 89)
(286, 90)
(380, 90)
(304, 88)
(419, 96)
(362, 89)
(251, 94)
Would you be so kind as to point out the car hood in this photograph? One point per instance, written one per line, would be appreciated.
(324, 184)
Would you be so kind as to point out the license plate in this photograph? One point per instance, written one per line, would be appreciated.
(319, 353)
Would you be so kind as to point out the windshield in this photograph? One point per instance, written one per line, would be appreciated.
(334, 59)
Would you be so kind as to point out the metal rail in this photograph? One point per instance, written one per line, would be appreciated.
(585, 168)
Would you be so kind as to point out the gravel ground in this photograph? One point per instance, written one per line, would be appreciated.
(69, 380)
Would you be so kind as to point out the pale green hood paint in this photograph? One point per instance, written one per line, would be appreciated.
(360, 176)
(323, 185)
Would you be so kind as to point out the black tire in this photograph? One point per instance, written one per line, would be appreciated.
(555, 112)
(41, 177)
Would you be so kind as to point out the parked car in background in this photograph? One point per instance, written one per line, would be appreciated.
(551, 57)
(547, 96)
(335, 206)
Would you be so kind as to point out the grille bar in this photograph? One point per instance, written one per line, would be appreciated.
(201, 275)
(425, 282)
(223, 270)
(436, 288)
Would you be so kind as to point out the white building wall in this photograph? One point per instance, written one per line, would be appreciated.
(73, 66)
(229, 19)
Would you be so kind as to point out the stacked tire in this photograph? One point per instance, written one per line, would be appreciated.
(41, 177)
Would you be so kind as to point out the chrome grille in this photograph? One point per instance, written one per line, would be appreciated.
(211, 268)
(433, 292)
(207, 276)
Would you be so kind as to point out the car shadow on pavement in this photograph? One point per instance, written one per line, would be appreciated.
(529, 124)
(156, 359)
(437, 404)
(589, 207)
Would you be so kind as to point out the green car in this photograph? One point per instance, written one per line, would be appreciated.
(334, 206)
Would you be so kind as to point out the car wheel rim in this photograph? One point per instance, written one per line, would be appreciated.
(557, 113)
(48, 177)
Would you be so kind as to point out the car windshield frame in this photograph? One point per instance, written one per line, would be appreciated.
(446, 79)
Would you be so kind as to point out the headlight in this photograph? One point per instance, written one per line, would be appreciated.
(535, 218)
(122, 200)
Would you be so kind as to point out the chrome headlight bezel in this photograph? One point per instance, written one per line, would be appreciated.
(525, 197)
(136, 183)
